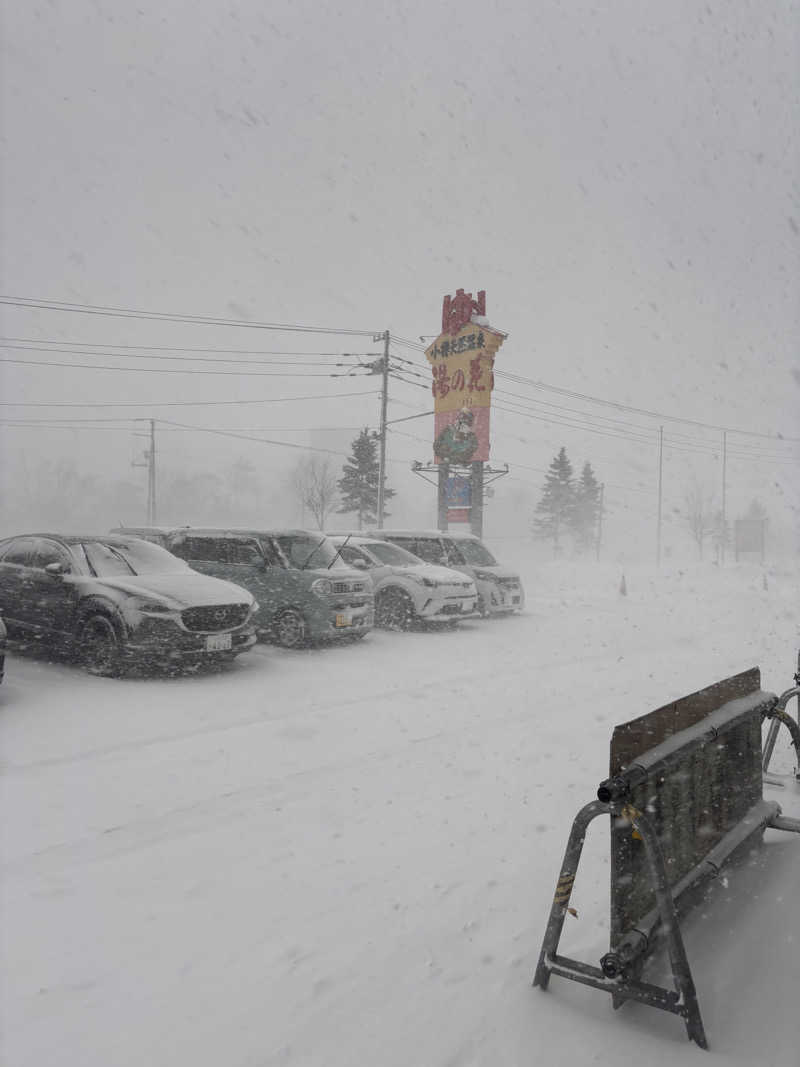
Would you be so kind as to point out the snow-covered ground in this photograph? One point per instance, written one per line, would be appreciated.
(346, 856)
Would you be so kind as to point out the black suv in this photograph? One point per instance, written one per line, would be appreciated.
(111, 600)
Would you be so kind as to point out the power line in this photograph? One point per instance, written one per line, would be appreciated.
(9, 342)
(407, 418)
(537, 384)
(616, 427)
(415, 345)
(695, 445)
(181, 403)
(406, 381)
(257, 440)
(130, 424)
(171, 370)
(335, 362)
(162, 316)
(519, 379)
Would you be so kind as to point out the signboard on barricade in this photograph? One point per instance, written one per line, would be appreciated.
(710, 790)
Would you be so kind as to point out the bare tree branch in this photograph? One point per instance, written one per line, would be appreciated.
(315, 484)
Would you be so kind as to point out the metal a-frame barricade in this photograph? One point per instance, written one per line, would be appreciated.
(781, 716)
(685, 795)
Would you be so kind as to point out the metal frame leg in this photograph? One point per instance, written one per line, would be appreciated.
(566, 880)
(681, 972)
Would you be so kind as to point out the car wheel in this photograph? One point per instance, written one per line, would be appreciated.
(290, 629)
(101, 646)
(394, 610)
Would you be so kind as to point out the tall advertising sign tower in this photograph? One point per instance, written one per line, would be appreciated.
(462, 364)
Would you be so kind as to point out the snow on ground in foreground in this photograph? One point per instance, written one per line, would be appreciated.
(346, 856)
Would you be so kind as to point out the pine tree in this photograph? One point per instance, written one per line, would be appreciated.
(553, 514)
(359, 482)
(586, 512)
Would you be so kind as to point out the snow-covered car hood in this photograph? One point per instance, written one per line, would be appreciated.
(339, 574)
(183, 590)
(436, 574)
(496, 572)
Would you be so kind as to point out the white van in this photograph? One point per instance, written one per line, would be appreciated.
(499, 589)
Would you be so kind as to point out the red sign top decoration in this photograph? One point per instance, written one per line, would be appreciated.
(457, 310)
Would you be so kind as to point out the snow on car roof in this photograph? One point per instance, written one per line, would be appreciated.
(77, 539)
(222, 531)
(131, 530)
(457, 535)
(356, 539)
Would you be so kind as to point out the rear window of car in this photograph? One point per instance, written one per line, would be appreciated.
(132, 557)
(473, 552)
(351, 554)
(19, 552)
(303, 550)
(393, 555)
(427, 548)
(231, 550)
(48, 552)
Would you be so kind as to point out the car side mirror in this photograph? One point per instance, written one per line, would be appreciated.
(55, 570)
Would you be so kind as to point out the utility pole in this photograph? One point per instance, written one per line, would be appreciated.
(151, 476)
(660, 474)
(149, 461)
(384, 402)
(599, 522)
(724, 531)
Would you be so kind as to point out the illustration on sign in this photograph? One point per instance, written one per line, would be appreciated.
(457, 442)
(458, 492)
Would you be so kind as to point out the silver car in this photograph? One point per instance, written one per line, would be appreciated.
(407, 589)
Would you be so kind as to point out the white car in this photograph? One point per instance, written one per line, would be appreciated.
(407, 589)
(500, 590)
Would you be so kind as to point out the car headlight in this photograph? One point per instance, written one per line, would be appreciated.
(321, 587)
(485, 576)
(422, 580)
(151, 607)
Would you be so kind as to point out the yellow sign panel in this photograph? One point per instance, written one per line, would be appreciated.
(462, 366)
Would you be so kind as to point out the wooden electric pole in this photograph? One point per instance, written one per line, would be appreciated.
(151, 476)
(660, 472)
(384, 404)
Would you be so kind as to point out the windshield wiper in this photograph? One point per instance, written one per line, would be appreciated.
(338, 551)
(309, 557)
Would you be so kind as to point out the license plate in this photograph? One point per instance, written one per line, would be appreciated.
(218, 642)
(345, 619)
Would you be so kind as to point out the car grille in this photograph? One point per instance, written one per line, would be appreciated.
(451, 609)
(349, 587)
(218, 617)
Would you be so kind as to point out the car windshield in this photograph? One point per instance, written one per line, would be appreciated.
(132, 557)
(477, 554)
(308, 550)
(391, 554)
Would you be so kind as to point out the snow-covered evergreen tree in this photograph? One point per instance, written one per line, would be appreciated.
(553, 514)
(586, 511)
(359, 482)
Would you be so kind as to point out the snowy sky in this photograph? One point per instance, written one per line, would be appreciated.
(622, 183)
